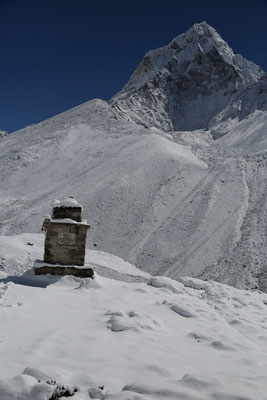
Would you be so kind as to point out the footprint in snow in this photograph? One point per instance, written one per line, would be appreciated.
(235, 322)
(165, 283)
(116, 325)
(225, 396)
(132, 314)
(140, 290)
(119, 321)
(218, 345)
(116, 313)
(199, 337)
(197, 383)
(11, 305)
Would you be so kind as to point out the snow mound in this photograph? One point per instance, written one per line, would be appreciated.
(24, 387)
(192, 282)
(164, 282)
(181, 310)
(27, 387)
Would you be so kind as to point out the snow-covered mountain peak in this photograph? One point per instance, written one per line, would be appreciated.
(186, 84)
(200, 29)
(202, 38)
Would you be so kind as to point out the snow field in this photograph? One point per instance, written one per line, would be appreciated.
(153, 339)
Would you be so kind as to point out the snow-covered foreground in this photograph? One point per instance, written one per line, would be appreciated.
(135, 336)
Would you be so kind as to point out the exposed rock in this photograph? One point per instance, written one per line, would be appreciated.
(64, 270)
(65, 243)
(3, 133)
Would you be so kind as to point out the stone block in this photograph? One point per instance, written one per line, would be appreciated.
(65, 270)
(65, 243)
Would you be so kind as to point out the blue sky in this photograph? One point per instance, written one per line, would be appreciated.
(56, 54)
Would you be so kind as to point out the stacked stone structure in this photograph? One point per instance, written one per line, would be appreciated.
(65, 241)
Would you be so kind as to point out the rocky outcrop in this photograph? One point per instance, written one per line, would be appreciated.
(3, 133)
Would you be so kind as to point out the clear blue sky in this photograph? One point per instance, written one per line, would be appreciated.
(56, 54)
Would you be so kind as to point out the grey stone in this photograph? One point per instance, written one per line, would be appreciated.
(65, 270)
(65, 243)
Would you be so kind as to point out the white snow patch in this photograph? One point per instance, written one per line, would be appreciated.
(68, 202)
(158, 336)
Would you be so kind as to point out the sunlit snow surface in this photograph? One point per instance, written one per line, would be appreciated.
(140, 337)
(180, 204)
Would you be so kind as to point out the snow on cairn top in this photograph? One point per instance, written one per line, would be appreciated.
(67, 202)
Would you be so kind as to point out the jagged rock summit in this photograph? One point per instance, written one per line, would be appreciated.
(187, 84)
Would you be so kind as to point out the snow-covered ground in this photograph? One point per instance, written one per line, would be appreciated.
(180, 204)
(160, 201)
(133, 335)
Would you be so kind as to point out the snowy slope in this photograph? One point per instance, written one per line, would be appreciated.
(183, 202)
(121, 173)
(171, 205)
(149, 339)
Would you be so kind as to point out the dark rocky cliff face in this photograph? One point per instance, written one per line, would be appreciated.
(187, 84)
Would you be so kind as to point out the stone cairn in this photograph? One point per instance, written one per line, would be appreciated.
(65, 241)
